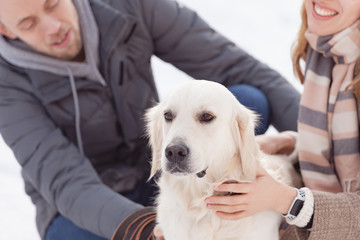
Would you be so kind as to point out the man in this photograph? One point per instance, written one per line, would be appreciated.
(75, 79)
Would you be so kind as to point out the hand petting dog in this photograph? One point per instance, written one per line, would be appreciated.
(249, 198)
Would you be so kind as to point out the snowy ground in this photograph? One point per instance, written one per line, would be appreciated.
(266, 29)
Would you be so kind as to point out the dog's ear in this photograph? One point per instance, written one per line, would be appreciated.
(245, 138)
(154, 131)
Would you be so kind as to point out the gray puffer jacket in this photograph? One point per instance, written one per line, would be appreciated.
(37, 113)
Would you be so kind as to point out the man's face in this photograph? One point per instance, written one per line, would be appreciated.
(50, 27)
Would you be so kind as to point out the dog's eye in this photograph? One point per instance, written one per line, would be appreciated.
(206, 117)
(168, 116)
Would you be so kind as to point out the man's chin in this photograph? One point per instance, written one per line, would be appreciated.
(78, 56)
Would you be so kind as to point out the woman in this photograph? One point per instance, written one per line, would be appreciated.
(328, 134)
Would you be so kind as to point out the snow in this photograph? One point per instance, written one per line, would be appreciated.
(266, 29)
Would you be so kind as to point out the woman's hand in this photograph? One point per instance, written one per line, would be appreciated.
(282, 143)
(249, 198)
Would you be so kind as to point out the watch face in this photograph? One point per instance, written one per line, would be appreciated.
(298, 204)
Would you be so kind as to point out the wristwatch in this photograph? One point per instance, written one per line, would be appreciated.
(296, 205)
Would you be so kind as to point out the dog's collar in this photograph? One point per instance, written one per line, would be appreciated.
(202, 173)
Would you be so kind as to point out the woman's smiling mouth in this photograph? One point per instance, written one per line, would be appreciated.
(322, 11)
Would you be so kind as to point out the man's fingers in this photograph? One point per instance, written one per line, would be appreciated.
(158, 232)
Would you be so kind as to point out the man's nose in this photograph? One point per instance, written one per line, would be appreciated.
(51, 25)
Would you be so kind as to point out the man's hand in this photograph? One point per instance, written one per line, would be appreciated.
(282, 143)
(138, 225)
(158, 233)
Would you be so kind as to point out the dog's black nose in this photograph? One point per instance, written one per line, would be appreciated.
(176, 152)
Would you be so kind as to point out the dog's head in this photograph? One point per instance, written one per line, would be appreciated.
(200, 126)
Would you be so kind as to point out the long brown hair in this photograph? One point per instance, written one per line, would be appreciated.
(299, 50)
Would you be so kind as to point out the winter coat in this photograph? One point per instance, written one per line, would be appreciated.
(37, 109)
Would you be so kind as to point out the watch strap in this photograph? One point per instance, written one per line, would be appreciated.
(296, 205)
(306, 212)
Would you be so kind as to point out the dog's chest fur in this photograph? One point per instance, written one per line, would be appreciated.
(182, 213)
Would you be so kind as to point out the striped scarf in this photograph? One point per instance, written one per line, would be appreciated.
(328, 123)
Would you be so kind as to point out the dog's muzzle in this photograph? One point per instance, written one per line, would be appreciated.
(177, 153)
(202, 173)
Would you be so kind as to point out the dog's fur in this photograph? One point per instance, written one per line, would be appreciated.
(200, 128)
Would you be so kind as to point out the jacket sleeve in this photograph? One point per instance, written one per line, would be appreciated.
(52, 164)
(336, 216)
(183, 39)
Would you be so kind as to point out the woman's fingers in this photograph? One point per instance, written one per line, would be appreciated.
(227, 208)
(233, 216)
(233, 187)
(226, 200)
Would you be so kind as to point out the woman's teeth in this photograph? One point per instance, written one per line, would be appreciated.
(323, 12)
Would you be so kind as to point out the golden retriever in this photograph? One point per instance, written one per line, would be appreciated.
(201, 136)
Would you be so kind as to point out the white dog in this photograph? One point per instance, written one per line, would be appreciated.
(201, 136)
